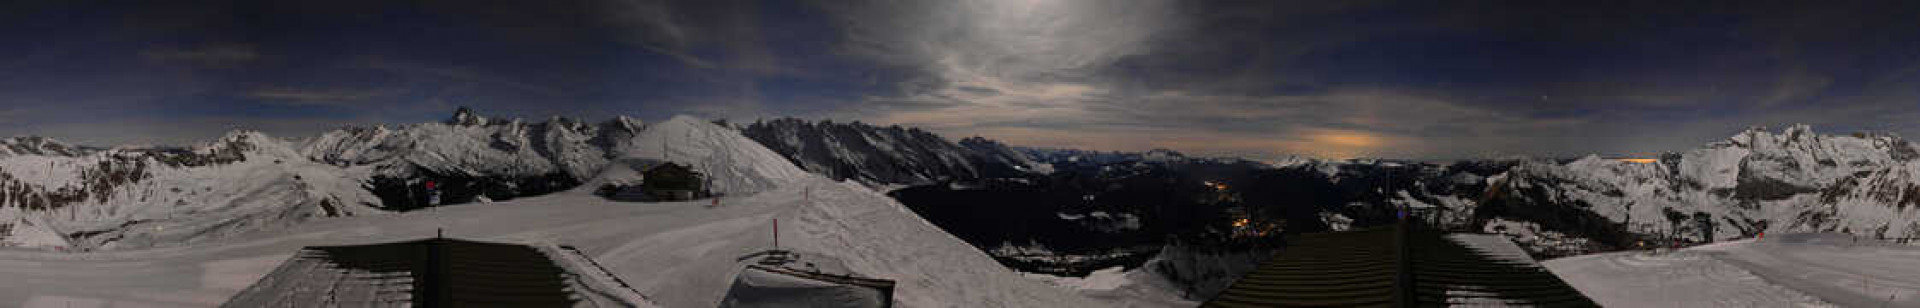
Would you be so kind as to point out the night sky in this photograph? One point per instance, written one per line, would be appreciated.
(1350, 79)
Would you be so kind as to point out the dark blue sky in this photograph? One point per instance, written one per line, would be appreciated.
(1453, 80)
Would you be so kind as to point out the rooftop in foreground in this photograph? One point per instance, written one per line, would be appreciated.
(436, 272)
(1398, 267)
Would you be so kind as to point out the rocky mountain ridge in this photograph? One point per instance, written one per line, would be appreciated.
(888, 155)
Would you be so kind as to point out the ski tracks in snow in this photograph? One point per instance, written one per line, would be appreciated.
(1833, 268)
(1676, 279)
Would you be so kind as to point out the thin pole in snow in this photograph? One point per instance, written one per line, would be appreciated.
(776, 233)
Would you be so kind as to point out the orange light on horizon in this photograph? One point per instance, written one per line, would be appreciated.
(1638, 160)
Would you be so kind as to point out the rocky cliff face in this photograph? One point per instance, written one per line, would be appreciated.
(470, 157)
(40, 146)
(57, 195)
(137, 197)
(1794, 180)
(887, 155)
(1789, 180)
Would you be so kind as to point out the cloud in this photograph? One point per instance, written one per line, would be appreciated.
(1331, 79)
(1347, 79)
(182, 131)
(717, 34)
(214, 55)
(315, 97)
(994, 41)
(455, 73)
(652, 25)
(1057, 73)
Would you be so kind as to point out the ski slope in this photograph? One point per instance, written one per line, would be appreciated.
(1118, 287)
(1796, 270)
(678, 254)
(1833, 267)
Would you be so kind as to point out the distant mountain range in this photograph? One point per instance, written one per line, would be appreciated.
(58, 195)
(888, 155)
(1756, 181)
(472, 157)
(54, 194)
(1791, 180)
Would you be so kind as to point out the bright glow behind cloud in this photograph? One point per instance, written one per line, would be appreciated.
(1330, 78)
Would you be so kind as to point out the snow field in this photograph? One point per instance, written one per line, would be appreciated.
(1786, 270)
(679, 254)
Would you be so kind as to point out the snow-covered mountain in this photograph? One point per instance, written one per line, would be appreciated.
(1790, 180)
(40, 146)
(734, 163)
(676, 254)
(124, 197)
(58, 195)
(1076, 157)
(1794, 181)
(887, 155)
(69, 197)
(470, 156)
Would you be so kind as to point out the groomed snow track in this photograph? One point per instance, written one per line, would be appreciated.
(1375, 267)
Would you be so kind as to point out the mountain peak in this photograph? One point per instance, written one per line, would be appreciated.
(37, 145)
(242, 135)
(978, 139)
(1162, 153)
(1797, 132)
(465, 117)
(1761, 134)
(248, 141)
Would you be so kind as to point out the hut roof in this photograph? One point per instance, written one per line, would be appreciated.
(434, 272)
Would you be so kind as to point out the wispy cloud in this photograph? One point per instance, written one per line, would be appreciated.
(1330, 78)
(12, 114)
(653, 26)
(455, 73)
(1047, 73)
(1417, 81)
(293, 96)
(213, 55)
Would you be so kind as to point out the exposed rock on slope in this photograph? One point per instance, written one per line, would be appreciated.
(470, 156)
(57, 195)
(40, 146)
(146, 196)
(889, 155)
(1756, 181)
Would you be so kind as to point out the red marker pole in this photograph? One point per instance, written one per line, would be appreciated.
(776, 233)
